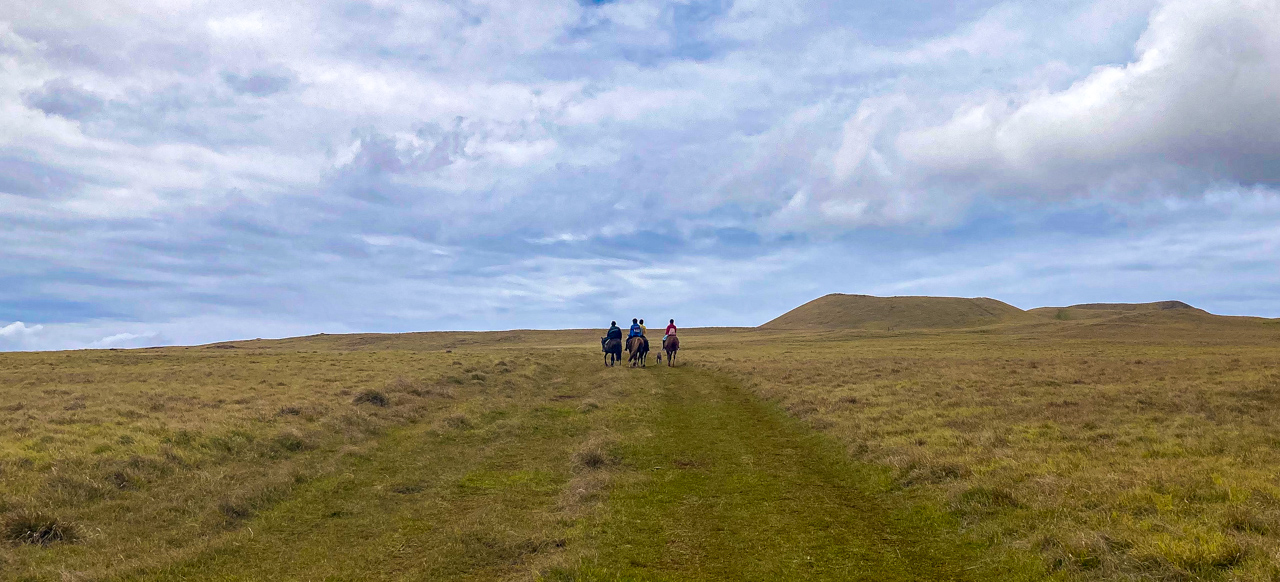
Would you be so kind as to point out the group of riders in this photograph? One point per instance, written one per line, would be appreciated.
(637, 343)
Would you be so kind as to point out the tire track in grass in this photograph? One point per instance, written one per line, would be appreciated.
(473, 503)
(713, 484)
(730, 488)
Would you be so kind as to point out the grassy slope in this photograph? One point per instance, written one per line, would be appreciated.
(1139, 446)
(1115, 450)
(501, 476)
(155, 455)
(838, 311)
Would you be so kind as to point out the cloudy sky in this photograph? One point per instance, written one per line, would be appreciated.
(183, 172)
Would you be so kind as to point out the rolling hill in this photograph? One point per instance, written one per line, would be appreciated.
(839, 311)
(1110, 310)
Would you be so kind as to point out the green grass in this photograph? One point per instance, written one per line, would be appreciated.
(439, 503)
(1137, 453)
(728, 488)
(1087, 449)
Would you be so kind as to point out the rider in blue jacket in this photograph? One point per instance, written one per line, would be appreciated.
(636, 331)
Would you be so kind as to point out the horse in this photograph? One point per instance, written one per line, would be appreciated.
(638, 347)
(671, 345)
(612, 348)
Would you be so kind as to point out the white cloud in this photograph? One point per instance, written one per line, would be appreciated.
(18, 329)
(1203, 94)
(125, 338)
(478, 164)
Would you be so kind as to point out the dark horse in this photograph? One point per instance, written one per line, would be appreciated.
(671, 345)
(638, 347)
(612, 349)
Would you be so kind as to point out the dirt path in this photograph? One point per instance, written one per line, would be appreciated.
(729, 488)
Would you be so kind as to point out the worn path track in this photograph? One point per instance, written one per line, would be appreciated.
(709, 483)
(735, 490)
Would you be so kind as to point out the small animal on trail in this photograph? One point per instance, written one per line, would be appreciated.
(638, 347)
(658, 356)
(612, 348)
(671, 345)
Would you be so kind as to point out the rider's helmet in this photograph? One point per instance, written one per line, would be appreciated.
(633, 320)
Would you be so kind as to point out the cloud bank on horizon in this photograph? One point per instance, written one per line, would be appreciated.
(183, 172)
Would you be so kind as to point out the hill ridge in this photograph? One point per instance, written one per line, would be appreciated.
(1150, 306)
(852, 311)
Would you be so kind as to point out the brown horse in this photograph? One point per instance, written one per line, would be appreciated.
(671, 345)
(612, 348)
(638, 347)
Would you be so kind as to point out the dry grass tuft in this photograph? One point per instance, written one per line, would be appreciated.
(1253, 519)
(36, 528)
(594, 454)
(1195, 554)
(372, 397)
(1082, 553)
(982, 499)
(458, 422)
(293, 441)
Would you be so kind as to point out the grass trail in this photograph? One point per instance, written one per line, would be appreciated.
(472, 501)
(708, 483)
(729, 488)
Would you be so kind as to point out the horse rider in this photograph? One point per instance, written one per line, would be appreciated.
(671, 330)
(636, 329)
(644, 331)
(614, 332)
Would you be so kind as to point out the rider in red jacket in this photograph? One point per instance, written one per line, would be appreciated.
(671, 329)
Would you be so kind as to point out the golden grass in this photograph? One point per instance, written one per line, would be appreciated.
(150, 455)
(1131, 446)
(1149, 454)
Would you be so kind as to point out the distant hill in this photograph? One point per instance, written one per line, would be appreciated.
(839, 311)
(1110, 310)
(1154, 306)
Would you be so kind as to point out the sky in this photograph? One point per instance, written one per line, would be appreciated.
(182, 172)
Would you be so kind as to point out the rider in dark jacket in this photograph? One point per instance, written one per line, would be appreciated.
(614, 332)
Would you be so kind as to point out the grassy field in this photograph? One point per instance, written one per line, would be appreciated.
(1113, 450)
(1060, 445)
